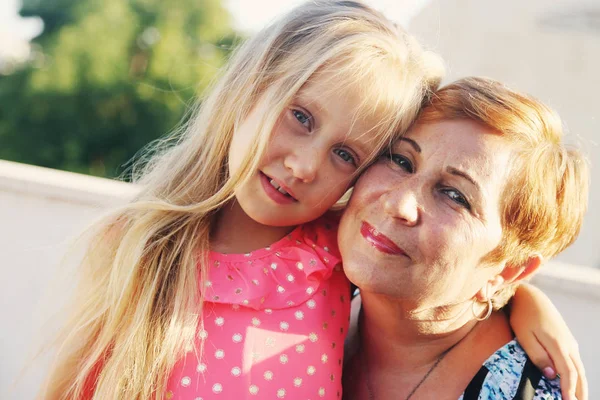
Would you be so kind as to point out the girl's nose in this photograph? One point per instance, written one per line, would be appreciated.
(304, 164)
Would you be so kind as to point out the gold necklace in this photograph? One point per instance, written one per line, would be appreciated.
(366, 365)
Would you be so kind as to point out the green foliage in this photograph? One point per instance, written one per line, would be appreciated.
(107, 77)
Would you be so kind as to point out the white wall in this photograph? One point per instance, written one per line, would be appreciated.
(41, 209)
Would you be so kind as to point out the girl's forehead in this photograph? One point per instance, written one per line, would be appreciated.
(324, 84)
(344, 113)
(371, 103)
(325, 88)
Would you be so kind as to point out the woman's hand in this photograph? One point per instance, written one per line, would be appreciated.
(547, 340)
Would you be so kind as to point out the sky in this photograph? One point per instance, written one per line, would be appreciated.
(15, 31)
(248, 16)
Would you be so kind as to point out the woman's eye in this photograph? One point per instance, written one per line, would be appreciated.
(402, 162)
(302, 117)
(457, 197)
(346, 156)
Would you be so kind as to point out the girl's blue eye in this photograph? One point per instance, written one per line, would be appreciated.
(402, 162)
(457, 197)
(346, 156)
(302, 118)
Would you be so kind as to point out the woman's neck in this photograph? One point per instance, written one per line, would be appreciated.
(404, 338)
(234, 232)
(403, 352)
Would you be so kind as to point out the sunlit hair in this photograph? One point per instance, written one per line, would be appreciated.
(544, 201)
(139, 305)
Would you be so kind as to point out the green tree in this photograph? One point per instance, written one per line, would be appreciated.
(107, 77)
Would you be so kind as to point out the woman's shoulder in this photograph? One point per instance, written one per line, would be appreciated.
(509, 372)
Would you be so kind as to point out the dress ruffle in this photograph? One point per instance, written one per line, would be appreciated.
(285, 274)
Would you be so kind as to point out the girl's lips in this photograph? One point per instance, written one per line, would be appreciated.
(273, 193)
(379, 240)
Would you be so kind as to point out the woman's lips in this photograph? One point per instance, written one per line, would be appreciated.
(379, 240)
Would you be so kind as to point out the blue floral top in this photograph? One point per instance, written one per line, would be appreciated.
(503, 372)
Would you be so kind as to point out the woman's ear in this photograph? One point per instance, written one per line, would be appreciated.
(510, 274)
(516, 273)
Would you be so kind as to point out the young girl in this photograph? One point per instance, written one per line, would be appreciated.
(222, 278)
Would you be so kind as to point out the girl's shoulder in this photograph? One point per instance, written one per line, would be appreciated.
(322, 233)
(286, 273)
(318, 236)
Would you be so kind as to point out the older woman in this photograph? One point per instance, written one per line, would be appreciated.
(438, 233)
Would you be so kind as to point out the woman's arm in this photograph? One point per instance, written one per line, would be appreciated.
(547, 340)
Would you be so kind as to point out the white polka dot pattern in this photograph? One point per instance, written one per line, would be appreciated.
(217, 388)
(271, 321)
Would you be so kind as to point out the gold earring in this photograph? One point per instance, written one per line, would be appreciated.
(490, 306)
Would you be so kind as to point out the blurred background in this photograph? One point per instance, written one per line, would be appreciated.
(100, 79)
(85, 84)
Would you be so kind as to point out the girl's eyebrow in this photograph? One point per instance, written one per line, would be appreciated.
(310, 99)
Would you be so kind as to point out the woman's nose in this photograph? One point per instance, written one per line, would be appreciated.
(401, 203)
(304, 164)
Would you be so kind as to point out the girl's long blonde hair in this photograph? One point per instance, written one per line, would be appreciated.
(138, 304)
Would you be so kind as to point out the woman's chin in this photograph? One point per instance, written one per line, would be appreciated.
(371, 278)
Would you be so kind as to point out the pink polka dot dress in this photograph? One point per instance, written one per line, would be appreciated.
(274, 326)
